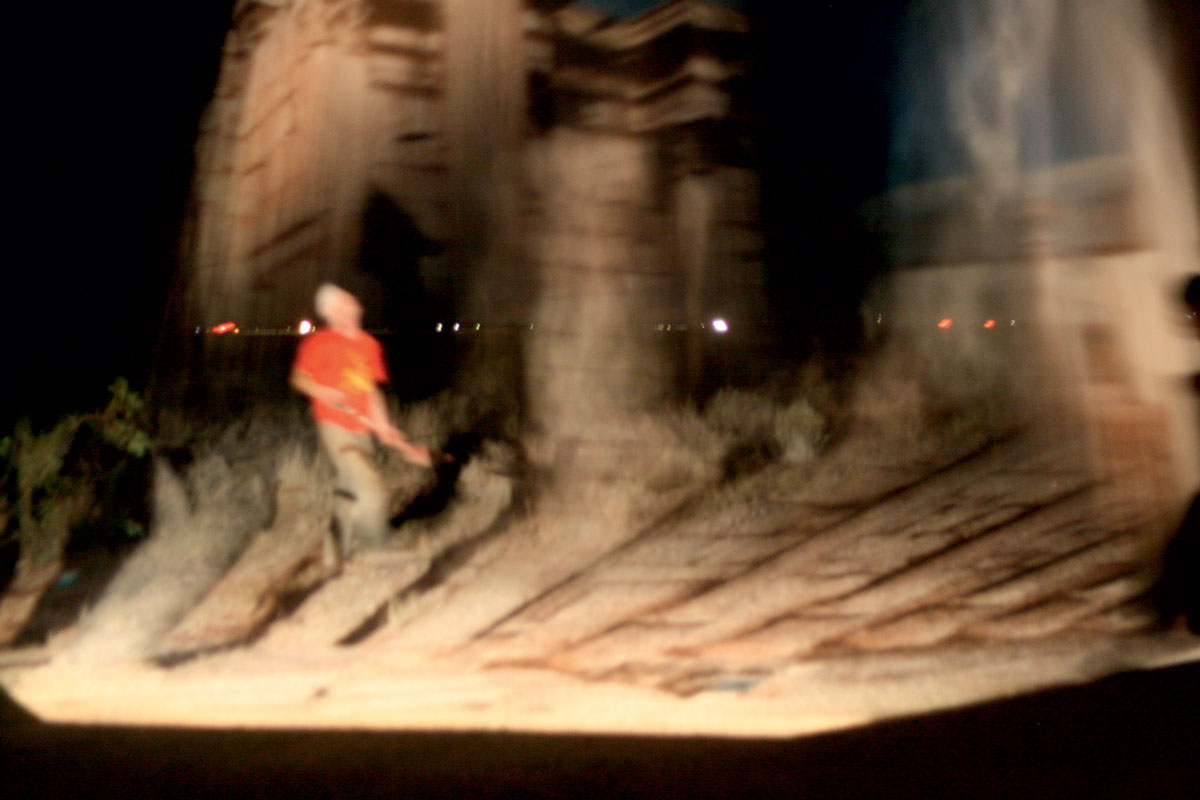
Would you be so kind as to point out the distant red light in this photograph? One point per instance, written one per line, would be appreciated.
(224, 327)
(945, 322)
(991, 323)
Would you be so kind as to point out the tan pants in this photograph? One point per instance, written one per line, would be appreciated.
(360, 505)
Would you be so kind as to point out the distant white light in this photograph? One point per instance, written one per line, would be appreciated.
(439, 327)
(456, 326)
(476, 326)
(305, 327)
(719, 325)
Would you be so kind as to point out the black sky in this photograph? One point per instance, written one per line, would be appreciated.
(822, 94)
(106, 110)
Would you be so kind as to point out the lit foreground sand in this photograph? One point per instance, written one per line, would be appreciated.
(257, 689)
(809, 598)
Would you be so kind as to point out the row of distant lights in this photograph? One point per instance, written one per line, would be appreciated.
(719, 325)
(946, 322)
(457, 326)
(306, 327)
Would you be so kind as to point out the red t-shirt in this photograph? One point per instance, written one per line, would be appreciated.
(353, 365)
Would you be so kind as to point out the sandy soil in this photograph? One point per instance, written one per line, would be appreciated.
(810, 597)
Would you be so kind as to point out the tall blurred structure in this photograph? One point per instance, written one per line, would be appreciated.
(1044, 182)
(504, 163)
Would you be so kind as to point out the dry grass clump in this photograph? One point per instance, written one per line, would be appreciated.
(631, 469)
(283, 560)
(224, 489)
(483, 491)
(431, 422)
(435, 420)
(793, 426)
(239, 481)
(256, 439)
(902, 415)
(202, 521)
(737, 432)
(439, 509)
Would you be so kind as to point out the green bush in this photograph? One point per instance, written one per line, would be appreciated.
(50, 480)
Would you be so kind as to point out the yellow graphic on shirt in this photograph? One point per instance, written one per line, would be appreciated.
(356, 376)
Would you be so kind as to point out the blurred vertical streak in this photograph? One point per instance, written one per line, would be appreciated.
(485, 115)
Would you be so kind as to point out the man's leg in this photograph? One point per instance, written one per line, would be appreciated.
(360, 501)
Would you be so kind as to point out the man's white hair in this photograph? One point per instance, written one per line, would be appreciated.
(327, 294)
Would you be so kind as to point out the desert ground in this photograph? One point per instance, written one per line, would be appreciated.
(790, 595)
(789, 592)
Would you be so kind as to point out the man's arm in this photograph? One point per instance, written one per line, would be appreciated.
(377, 418)
(307, 385)
(390, 435)
(377, 415)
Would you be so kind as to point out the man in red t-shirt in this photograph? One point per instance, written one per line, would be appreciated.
(340, 368)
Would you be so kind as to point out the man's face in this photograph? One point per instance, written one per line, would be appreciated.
(345, 312)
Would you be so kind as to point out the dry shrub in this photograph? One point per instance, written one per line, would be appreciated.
(258, 436)
(485, 482)
(435, 420)
(202, 521)
(207, 512)
(298, 466)
(483, 492)
(630, 471)
(740, 412)
(797, 429)
(675, 450)
(282, 560)
(644, 461)
(903, 415)
(206, 515)
(889, 407)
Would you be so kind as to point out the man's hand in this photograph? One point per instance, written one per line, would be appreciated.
(390, 435)
(394, 438)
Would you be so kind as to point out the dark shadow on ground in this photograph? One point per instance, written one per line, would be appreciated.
(12, 713)
(1128, 736)
(458, 449)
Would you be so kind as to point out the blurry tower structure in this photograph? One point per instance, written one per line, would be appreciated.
(1084, 327)
(1045, 211)
(524, 163)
